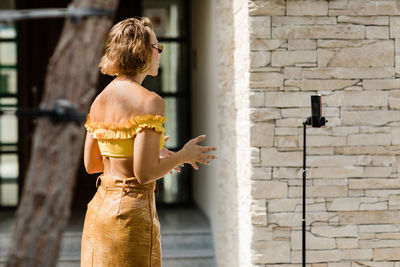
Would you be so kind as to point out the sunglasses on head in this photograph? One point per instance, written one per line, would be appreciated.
(158, 47)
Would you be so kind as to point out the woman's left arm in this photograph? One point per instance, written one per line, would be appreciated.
(92, 158)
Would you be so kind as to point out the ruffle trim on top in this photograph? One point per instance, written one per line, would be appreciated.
(127, 129)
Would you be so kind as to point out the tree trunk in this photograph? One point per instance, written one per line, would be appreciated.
(72, 74)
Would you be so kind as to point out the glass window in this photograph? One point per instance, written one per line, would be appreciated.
(169, 63)
(171, 127)
(8, 128)
(7, 31)
(165, 16)
(9, 161)
(171, 75)
(9, 194)
(8, 53)
(8, 80)
(8, 101)
(9, 165)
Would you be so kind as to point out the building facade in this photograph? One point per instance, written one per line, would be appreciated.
(267, 57)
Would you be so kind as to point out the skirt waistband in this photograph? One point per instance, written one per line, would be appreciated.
(126, 184)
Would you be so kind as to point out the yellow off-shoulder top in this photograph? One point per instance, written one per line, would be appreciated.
(116, 139)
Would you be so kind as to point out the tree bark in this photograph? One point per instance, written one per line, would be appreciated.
(72, 74)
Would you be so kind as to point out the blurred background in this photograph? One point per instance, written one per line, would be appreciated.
(25, 48)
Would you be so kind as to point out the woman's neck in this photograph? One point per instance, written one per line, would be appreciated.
(137, 78)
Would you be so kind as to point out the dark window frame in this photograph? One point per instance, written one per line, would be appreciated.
(184, 112)
(15, 180)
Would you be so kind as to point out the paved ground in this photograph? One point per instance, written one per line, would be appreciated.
(186, 238)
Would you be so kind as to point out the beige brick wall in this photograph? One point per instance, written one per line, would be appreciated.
(349, 52)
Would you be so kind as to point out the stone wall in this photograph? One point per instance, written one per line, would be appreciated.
(225, 224)
(349, 52)
(241, 81)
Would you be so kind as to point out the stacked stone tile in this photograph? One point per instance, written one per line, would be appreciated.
(349, 52)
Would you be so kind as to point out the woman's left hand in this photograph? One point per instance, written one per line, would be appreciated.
(165, 152)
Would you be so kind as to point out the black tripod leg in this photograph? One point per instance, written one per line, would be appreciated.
(304, 197)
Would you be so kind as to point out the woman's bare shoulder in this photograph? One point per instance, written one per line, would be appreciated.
(141, 101)
(154, 104)
(124, 100)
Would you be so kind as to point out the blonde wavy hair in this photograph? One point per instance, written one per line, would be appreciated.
(128, 49)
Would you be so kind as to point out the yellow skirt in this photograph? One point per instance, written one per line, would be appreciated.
(121, 225)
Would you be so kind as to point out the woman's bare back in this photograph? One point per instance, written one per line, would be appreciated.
(119, 101)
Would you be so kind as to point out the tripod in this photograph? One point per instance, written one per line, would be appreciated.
(316, 122)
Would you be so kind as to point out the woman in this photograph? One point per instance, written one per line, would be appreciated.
(124, 139)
